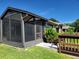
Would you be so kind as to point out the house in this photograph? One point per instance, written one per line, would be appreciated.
(21, 28)
(50, 23)
(65, 28)
(62, 28)
(57, 26)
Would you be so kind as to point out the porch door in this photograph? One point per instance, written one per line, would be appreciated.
(16, 30)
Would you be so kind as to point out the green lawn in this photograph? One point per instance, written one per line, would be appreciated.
(8, 52)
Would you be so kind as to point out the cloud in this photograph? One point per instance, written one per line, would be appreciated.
(48, 11)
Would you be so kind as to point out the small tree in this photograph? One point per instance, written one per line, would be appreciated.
(51, 34)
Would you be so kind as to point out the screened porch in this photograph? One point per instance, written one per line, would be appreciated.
(21, 29)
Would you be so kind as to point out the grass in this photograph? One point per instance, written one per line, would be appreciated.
(8, 52)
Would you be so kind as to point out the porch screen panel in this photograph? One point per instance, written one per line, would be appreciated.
(6, 30)
(38, 30)
(16, 28)
(29, 32)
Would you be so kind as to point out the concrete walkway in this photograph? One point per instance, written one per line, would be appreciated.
(47, 45)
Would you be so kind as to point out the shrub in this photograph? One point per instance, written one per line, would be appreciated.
(51, 34)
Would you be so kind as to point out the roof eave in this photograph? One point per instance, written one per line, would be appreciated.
(22, 11)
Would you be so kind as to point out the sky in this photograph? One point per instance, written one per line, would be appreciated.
(65, 11)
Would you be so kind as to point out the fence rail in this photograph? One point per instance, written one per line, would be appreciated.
(69, 44)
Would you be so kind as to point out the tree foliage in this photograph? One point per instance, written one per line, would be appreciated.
(52, 19)
(68, 24)
(76, 24)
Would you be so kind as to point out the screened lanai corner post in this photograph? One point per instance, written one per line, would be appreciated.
(23, 31)
(1, 31)
(10, 27)
(35, 28)
(41, 31)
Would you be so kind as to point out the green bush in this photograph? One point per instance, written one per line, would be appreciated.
(51, 34)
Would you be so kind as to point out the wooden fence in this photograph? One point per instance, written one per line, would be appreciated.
(69, 44)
